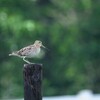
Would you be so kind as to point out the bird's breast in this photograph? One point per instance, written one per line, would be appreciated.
(34, 52)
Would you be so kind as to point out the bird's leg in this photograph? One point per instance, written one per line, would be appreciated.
(26, 60)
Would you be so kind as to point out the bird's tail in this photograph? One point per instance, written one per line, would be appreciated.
(13, 54)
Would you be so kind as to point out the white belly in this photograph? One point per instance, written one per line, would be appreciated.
(33, 53)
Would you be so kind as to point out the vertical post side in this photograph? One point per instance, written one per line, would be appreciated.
(32, 81)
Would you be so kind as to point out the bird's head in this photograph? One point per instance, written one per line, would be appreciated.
(39, 44)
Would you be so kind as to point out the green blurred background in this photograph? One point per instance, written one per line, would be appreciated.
(69, 28)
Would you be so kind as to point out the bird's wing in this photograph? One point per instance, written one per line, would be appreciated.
(25, 51)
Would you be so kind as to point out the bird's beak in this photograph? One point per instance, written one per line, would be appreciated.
(45, 47)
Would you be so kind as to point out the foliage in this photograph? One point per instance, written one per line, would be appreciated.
(70, 29)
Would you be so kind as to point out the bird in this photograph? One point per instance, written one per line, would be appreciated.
(29, 51)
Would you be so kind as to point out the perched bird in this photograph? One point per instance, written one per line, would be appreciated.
(29, 51)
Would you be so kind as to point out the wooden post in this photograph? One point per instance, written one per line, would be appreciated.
(32, 81)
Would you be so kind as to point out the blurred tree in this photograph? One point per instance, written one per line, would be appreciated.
(70, 29)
